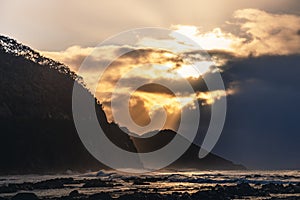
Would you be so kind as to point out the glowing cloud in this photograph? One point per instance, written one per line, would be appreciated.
(269, 34)
(216, 39)
(260, 33)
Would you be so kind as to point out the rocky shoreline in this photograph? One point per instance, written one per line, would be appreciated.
(26, 190)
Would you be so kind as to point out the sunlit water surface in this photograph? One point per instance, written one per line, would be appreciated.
(159, 182)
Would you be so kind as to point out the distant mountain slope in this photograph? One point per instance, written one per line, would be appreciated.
(189, 160)
(37, 130)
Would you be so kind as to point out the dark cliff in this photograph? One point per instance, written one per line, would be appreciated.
(37, 130)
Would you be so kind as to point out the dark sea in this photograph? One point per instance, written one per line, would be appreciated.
(118, 184)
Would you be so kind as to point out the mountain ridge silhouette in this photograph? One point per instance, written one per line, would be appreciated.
(38, 134)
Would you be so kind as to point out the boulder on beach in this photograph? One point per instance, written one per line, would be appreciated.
(25, 196)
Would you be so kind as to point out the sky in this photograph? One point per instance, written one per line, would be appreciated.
(55, 25)
(255, 45)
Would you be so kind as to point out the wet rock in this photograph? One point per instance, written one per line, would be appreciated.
(291, 189)
(185, 196)
(74, 193)
(8, 189)
(178, 196)
(100, 196)
(155, 179)
(53, 183)
(145, 196)
(228, 192)
(96, 183)
(140, 182)
(14, 187)
(244, 189)
(47, 184)
(210, 194)
(285, 198)
(25, 196)
(273, 188)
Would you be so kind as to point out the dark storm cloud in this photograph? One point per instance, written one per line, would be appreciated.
(155, 88)
(179, 85)
(217, 56)
(222, 54)
(149, 55)
(262, 125)
(205, 55)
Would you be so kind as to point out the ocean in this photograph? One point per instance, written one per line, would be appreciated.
(117, 184)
